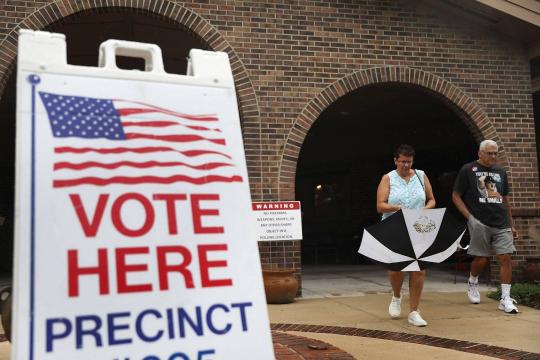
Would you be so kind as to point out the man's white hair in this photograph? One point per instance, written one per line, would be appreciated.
(487, 143)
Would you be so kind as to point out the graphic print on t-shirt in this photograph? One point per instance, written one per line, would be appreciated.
(488, 184)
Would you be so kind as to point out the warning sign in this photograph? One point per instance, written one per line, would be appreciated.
(278, 220)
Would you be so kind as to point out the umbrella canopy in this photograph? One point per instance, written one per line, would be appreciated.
(411, 240)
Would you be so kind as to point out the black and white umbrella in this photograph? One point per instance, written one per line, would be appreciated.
(411, 240)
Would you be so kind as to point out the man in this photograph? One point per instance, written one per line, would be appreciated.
(489, 219)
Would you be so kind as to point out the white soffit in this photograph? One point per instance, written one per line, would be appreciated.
(526, 10)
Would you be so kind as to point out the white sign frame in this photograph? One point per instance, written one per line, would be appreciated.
(64, 309)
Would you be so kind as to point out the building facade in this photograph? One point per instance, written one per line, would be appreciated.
(418, 71)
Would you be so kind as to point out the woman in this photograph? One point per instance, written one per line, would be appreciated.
(411, 189)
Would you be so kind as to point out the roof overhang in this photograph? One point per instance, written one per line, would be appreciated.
(518, 19)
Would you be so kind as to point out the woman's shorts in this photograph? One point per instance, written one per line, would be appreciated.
(484, 238)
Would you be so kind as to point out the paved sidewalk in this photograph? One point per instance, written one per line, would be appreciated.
(359, 280)
(364, 320)
(343, 315)
(347, 308)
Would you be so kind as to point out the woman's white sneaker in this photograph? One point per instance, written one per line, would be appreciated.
(507, 305)
(416, 320)
(473, 293)
(395, 307)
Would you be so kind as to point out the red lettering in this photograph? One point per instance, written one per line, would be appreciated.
(167, 260)
(90, 228)
(117, 217)
(197, 213)
(90, 224)
(205, 265)
(164, 268)
(122, 269)
(74, 271)
(171, 210)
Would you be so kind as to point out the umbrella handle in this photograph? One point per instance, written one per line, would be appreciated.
(462, 248)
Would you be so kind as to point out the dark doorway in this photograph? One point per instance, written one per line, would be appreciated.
(350, 147)
(7, 175)
(84, 32)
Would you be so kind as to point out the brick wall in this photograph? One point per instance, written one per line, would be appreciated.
(292, 59)
(528, 244)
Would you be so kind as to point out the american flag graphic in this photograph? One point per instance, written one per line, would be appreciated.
(111, 141)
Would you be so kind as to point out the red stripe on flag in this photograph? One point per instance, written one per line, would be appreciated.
(142, 165)
(145, 180)
(205, 117)
(142, 150)
(174, 138)
(202, 128)
(165, 124)
(135, 111)
(150, 123)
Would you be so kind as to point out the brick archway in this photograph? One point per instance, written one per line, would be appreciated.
(464, 106)
(180, 15)
(184, 17)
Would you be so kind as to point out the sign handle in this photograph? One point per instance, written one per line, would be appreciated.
(150, 53)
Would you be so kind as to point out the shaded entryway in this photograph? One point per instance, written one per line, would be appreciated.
(84, 32)
(349, 147)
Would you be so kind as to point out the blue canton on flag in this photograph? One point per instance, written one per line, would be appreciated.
(77, 116)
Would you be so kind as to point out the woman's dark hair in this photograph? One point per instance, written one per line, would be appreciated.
(405, 150)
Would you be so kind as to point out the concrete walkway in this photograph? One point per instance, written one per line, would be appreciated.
(360, 280)
(357, 298)
(346, 307)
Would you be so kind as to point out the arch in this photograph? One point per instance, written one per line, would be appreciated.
(464, 106)
(50, 13)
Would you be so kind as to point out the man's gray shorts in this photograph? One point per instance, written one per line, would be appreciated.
(484, 238)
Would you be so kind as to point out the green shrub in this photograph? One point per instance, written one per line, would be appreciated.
(523, 293)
